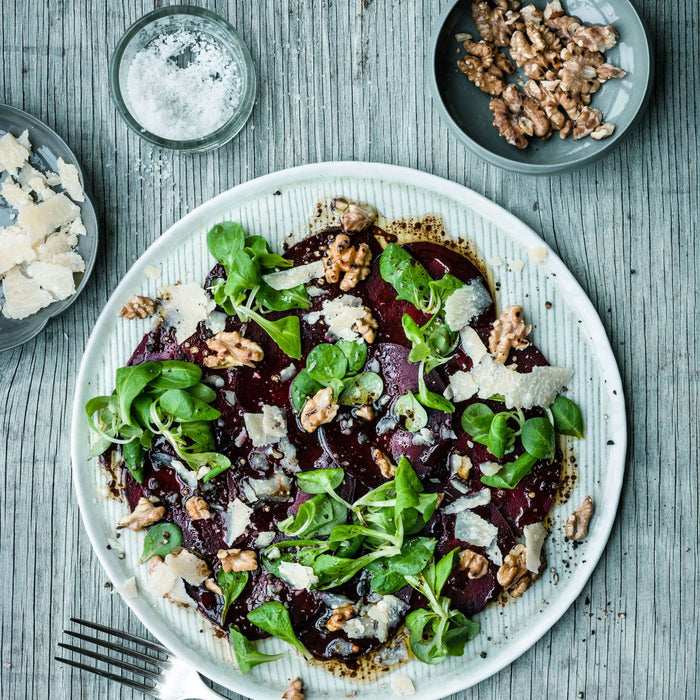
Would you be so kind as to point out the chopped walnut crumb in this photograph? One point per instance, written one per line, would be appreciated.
(354, 217)
(353, 262)
(386, 466)
(198, 508)
(366, 326)
(518, 103)
(577, 523)
(365, 412)
(509, 331)
(138, 307)
(232, 350)
(340, 616)
(318, 410)
(295, 690)
(211, 585)
(463, 465)
(238, 560)
(588, 121)
(143, 515)
(475, 564)
(513, 574)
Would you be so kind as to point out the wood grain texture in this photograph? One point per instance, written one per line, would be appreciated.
(345, 79)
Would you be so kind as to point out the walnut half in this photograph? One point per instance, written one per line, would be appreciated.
(232, 350)
(354, 217)
(343, 258)
(318, 410)
(238, 560)
(475, 564)
(295, 690)
(339, 617)
(366, 326)
(386, 466)
(198, 508)
(138, 307)
(144, 514)
(513, 574)
(577, 523)
(509, 331)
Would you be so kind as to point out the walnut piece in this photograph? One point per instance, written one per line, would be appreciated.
(462, 465)
(518, 103)
(513, 128)
(596, 37)
(353, 262)
(513, 574)
(138, 307)
(295, 690)
(475, 564)
(485, 66)
(587, 122)
(238, 560)
(198, 508)
(537, 51)
(354, 217)
(339, 617)
(386, 466)
(232, 350)
(366, 326)
(211, 585)
(577, 523)
(318, 410)
(496, 24)
(143, 515)
(365, 412)
(509, 331)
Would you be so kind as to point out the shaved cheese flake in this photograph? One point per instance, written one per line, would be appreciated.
(473, 529)
(539, 387)
(535, 535)
(490, 468)
(472, 344)
(187, 565)
(341, 315)
(538, 254)
(14, 194)
(55, 279)
(70, 180)
(480, 498)
(184, 306)
(465, 304)
(13, 153)
(294, 276)
(187, 475)
(15, 248)
(39, 220)
(237, 519)
(297, 575)
(401, 684)
(493, 552)
(23, 296)
(462, 386)
(266, 428)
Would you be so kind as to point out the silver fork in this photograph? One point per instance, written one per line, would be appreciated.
(168, 678)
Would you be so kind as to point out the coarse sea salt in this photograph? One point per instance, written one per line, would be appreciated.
(183, 86)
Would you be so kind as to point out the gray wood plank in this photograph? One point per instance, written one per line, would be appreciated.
(346, 79)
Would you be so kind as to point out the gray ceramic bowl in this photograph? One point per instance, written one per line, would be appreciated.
(47, 148)
(466, 109)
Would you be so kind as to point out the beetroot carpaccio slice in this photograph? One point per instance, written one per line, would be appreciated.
(349, 441)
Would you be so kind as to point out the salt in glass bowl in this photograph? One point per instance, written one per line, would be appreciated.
(168, 20)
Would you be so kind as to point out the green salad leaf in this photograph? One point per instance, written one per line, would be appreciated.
(247, 656)
(273, 618)
(160, 540)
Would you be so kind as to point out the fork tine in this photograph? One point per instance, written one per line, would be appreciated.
(147, 689)
(116, 647)
(110, 660)
(124, 635)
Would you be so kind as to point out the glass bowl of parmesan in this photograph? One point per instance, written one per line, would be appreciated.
(182, 78)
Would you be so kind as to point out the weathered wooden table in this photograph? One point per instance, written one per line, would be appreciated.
(346, 79)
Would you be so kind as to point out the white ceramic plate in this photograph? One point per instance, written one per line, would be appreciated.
(570, 334)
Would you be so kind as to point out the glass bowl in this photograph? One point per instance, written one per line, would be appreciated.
(168, 20)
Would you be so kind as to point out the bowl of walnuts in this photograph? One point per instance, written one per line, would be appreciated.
(540, 89)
